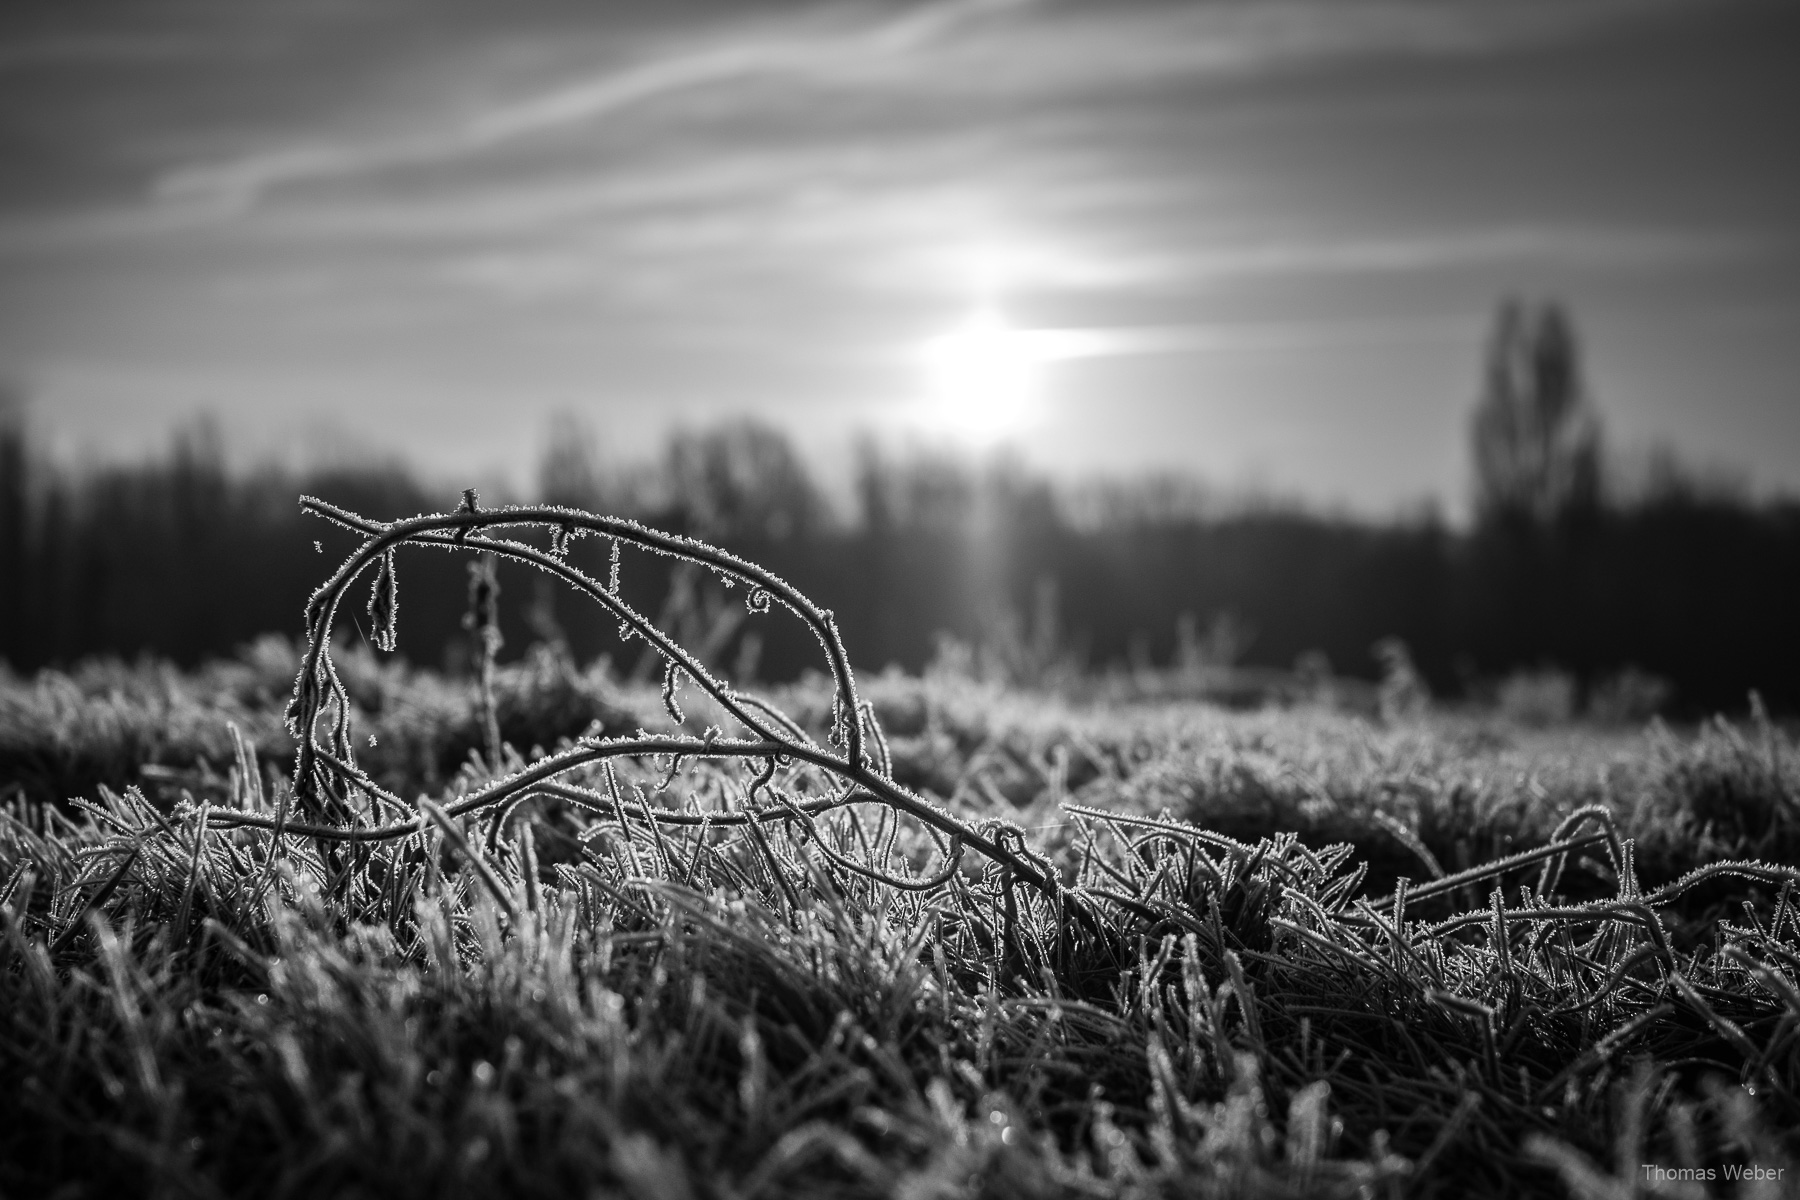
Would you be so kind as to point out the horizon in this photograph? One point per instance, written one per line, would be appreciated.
(645, 485)
(1260, 245)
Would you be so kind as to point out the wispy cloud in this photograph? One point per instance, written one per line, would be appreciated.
(945, 48)
(783, 50)
(1156, 341)
(1342, 252)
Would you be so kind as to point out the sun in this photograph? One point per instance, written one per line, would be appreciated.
(984, 377)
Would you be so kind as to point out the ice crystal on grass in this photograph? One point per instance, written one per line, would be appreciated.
(1009, 951)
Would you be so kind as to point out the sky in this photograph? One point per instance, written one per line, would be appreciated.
(1259, 241)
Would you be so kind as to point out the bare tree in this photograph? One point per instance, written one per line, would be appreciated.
(742, 478)
(1536, 438)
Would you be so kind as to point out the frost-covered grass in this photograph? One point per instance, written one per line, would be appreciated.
(545, 933)
(684, 1011)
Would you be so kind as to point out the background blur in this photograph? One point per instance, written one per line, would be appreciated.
(1233, 344)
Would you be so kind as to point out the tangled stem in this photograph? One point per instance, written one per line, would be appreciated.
(325, 771)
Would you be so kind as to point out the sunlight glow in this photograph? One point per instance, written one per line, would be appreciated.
(984, 377)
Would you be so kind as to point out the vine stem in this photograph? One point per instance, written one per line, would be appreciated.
(453, 530)
(776, 738)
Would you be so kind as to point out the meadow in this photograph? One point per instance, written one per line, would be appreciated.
(315, 921)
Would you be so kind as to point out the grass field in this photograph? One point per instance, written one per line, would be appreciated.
(1282, 953)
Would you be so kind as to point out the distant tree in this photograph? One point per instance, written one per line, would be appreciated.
(1536, 438)
(567, 471)
(920, 490)
(742, 478)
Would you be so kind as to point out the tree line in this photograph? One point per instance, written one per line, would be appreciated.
(1691, 583)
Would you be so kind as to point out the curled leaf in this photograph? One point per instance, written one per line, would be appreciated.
(384, 604)
(672, 677)
(305, 702)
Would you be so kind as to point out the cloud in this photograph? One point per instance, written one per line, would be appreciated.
(237, 184)
(1154, 341)
(1567, 245)
(929, 52)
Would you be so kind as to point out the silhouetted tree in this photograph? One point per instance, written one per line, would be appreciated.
(742, 479)
(567, 472)
(1535, 436)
